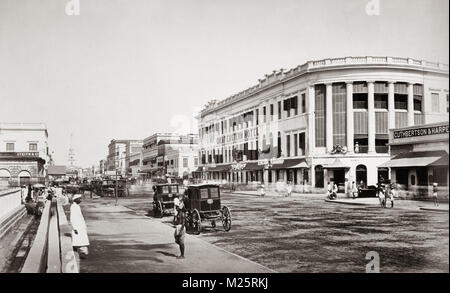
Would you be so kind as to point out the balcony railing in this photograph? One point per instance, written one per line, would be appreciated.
(382, 149)
(362, 149)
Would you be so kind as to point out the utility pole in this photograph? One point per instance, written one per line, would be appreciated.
(117, 187)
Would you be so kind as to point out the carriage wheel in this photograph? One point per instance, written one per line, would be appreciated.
(196, 222)
(226, 218)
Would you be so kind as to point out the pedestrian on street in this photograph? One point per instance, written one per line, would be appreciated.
(329, 191)
(382, 196)
(80, 240)
(262, 191)
(180, 229)
(435, 194)
(392, 194)
(289, 188)
(335, 190)
(354, 190)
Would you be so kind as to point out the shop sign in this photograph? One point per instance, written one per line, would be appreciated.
(423, 131)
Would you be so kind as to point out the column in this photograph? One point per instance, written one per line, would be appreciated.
(266, 176)
(391, 105)
(311, 137)
(371, 116)
(350, 126)
(312, 176)
(410, 104)
(329, 117)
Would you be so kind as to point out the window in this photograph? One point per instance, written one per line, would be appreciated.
(279, 145)
(288, 145)
(279, 110)
(185, 162)
(271, 112)
(360, 101)
(447, 103)
(257, 116)
(435, 102)
(204, 193)
(413, 180)
(33, 147)
(303, 103)
(10, 147)
(264, 114)
(295, 145)
(381, 101)
(294, 104)
(418, 105)
(287, 107)
(400, 102)
(302, 143)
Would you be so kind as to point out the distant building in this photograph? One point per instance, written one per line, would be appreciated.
(119, 151)
(24, 153)
(169, 153)
(56, 172)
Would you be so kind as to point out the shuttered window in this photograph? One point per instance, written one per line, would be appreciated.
(381, 122)
(360, 122)
(339, 113)
(320, 105)
(435, 102)
(418, 97)
(401, 119)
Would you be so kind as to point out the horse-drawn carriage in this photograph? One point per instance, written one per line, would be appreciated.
(163, 198)
(202, 203)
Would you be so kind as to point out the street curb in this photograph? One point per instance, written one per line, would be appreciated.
(433, 210)
(349, 203)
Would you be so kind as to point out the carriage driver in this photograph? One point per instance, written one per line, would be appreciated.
(180, 229)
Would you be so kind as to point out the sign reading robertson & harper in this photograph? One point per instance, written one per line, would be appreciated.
(423, 131)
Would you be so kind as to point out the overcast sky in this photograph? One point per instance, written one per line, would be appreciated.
(126, 69)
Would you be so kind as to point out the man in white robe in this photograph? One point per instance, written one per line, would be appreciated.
(80, 239)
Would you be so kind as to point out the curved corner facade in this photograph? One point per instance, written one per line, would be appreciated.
(325, 120)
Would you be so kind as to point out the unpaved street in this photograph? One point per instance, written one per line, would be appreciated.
(309, 235)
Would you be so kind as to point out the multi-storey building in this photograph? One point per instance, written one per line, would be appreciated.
(119, 151)
(24, 153)
(322, 121)
(168, 153)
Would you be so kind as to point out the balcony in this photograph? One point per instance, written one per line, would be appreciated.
(362, 149)
(382, 149)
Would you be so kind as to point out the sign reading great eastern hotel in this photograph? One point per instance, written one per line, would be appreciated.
(423, 131)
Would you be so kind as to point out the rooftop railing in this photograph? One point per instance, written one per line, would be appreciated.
(282, 74)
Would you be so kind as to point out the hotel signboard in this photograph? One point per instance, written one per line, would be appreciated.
(237, 137)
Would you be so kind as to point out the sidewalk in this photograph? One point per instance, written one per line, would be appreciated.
(122, 241)
(400, 203)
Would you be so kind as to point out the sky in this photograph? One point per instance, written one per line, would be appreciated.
(127, 69)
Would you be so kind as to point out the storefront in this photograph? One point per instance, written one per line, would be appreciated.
(21, 168)
(419, 159)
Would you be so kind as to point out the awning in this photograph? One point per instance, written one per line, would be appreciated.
(219, 168)
(416, 159)
(337, 164)
(443, 161)
(199, 169)
(290, 164)
(253, 167)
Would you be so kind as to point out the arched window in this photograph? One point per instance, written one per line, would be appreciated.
(5, 176)
(319, 174)
(361, 175)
